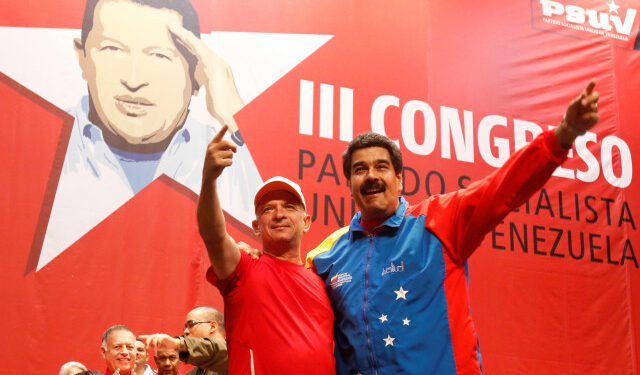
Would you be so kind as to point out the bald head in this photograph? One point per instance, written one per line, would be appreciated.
(167, 361)
(204, 321)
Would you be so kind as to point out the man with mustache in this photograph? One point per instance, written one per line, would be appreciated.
(396, 276)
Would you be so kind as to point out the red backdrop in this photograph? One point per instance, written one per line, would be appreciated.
(555, 289)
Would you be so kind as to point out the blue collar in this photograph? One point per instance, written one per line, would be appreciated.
(393, 222)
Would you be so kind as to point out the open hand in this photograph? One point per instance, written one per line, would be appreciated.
(212, 72)
(254, 253)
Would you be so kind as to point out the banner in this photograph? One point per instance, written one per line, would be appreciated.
(107, 116)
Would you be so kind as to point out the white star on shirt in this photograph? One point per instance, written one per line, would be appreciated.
(389, 340)
(383, 318)
(613, 7)
(401, 293)
(405, 321)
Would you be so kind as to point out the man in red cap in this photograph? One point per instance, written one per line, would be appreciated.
(279, 318)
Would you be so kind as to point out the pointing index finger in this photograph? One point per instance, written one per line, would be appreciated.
(218, 137)
(590, 87)
(587, 94)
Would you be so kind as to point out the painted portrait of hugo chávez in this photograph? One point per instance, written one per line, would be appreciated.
(143, 61)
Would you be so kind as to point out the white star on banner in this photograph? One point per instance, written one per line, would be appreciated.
(43, 60)
(383, 318)
(388, 341)
(405, 321)
(613, 7)
(401, 293)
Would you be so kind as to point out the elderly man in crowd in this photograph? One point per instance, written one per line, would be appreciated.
(119, 350)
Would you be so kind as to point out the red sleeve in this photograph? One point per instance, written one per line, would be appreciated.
(236, 278)
(461, 219)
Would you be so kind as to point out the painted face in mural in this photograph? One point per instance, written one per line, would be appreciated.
(139, 82)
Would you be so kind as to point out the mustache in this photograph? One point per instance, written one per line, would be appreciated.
(372, 185)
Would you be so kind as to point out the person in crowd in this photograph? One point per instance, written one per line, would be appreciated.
(167, 361)
(72, 368)
(119, 350)
(202, 345)
(142, 368)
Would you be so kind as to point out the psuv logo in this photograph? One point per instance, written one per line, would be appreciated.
(602, 21)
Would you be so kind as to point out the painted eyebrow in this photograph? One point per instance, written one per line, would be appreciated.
(170, 51)
(105, 38)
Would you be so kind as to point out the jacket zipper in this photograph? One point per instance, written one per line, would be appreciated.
(364, 306)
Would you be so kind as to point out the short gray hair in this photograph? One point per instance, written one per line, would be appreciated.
(110, 330)
(69, 365)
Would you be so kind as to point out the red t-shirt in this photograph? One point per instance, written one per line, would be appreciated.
(278, 316)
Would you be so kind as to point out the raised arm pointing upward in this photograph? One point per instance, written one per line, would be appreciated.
(222, 249)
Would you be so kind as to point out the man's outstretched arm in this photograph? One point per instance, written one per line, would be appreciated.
(222, 249)
(462, 218)
(209, 353)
